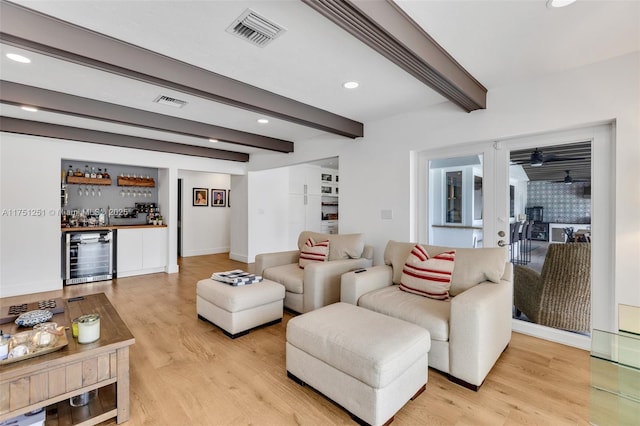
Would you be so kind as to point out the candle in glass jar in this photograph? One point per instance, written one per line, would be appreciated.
(74, 327)
(88, 328)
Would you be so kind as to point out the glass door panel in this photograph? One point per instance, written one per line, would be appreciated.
(506, 202)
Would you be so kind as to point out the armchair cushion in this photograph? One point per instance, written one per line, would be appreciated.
(290, 276)
(313, 252)
(473, 266)
(428, 313)
(428, 276)
(341, 246)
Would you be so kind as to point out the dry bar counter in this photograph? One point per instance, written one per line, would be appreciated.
(99, 253)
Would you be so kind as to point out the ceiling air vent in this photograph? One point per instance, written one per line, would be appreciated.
(167, 100)
(255, 28)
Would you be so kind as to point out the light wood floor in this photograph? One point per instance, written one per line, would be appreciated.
(184, 371)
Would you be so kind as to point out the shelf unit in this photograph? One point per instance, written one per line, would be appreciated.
(329, 200)
(129, 181)
(102, 407)
(87, 181)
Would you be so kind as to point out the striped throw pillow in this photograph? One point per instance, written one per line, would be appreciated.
(313, 252)
(428, 276)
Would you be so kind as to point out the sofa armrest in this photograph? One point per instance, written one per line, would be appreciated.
(322, 281)
(527, 291)
(268, 260)
(353, 285)
(480, 329)
(367, 253)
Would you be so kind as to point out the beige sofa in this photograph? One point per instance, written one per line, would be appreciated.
(318, 284)
(469, 331)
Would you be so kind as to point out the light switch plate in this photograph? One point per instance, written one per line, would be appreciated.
(386, 214)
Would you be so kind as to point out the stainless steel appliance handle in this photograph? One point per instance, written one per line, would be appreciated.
(68, 257)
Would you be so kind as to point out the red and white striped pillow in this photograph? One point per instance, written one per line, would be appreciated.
(430, 277)
(312, 252)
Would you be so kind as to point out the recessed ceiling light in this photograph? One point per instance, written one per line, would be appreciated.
(213, 140)
(351, 85)
(263, 120)
(29, 108)
(18, 58)
(559, 3)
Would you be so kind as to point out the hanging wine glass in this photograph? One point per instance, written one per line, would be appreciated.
(80, 191)
(86, 191)
(122, 194)
(99, 192)
(93, 191)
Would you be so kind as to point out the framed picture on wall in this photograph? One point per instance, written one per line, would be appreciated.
(218, 198)
(200, 197)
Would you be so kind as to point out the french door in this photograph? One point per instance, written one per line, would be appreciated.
(466, 198)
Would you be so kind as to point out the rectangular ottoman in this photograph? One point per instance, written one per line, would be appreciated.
(238, 309)
(368, 363)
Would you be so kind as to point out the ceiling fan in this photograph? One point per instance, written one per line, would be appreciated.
(538, 158)
(568, 179)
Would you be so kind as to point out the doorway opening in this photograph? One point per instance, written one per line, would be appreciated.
(551, 196)
(179, 216)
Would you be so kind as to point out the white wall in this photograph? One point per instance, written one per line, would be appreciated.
(205, 229)
(376, 171)
(239, 243)
(30, 246)
(268, 202)
(593, 94)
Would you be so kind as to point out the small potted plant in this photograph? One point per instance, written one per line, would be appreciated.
(159, 220)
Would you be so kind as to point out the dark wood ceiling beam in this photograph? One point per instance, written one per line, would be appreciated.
(56, 131)
(384, 27)
(35, 31)
(47, 100)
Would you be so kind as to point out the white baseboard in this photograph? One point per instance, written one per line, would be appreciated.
(554, 335)
(202, 252)
(239, 257)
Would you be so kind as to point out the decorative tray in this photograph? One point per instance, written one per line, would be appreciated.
(29, 339)
(11, 313)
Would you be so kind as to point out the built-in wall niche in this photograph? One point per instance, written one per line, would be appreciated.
(95, 193)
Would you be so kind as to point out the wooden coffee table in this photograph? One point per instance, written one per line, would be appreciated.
(50, 380)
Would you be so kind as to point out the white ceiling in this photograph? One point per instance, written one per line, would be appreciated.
(498, 42)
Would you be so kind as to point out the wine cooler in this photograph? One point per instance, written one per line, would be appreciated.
(88, 257)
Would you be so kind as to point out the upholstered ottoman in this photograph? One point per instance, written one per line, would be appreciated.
(238, 309)
(368, 363)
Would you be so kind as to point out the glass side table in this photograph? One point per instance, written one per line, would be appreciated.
(615, 378)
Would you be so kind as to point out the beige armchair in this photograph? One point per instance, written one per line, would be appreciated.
(560, 296)
(318, 284)
(469, 331)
